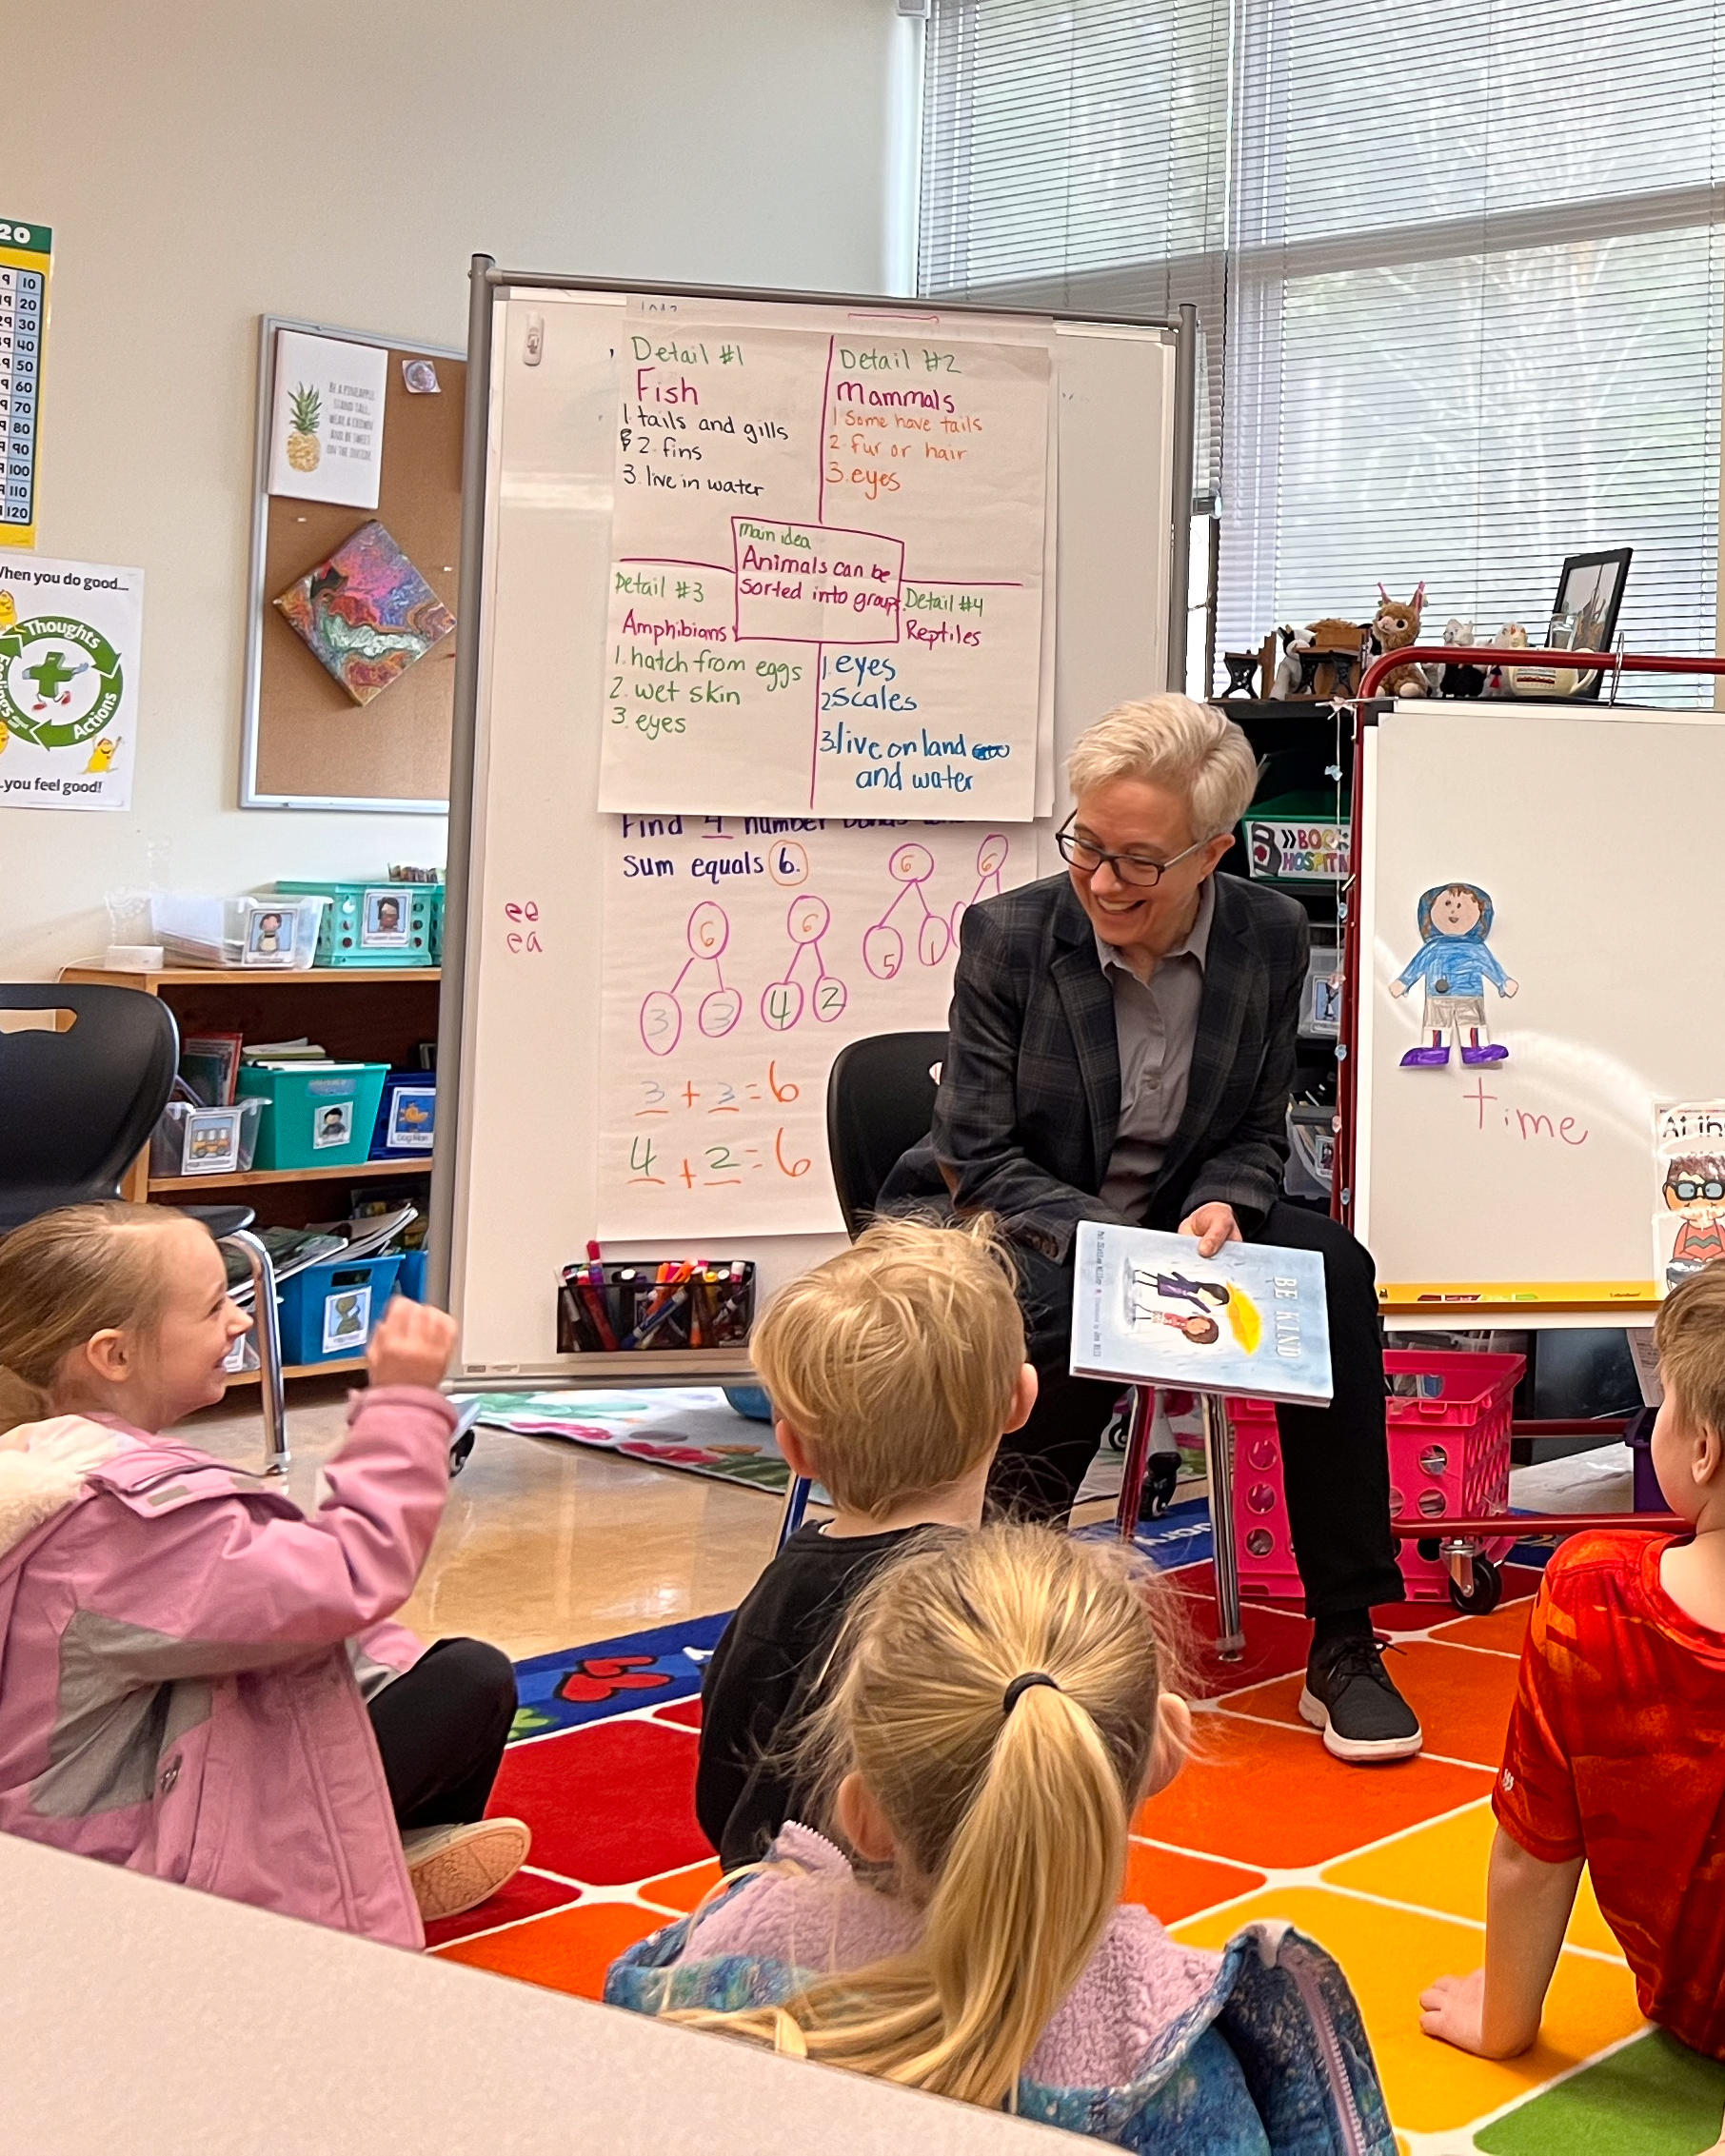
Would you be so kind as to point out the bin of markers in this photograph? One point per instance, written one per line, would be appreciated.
(315, 1115)
(329, 1312)
(651, 1303)
(379, 924)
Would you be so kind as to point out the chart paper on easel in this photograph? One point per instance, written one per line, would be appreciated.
(826, 587)
(740, 954)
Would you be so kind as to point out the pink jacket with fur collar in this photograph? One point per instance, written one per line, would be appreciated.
(182, 1656)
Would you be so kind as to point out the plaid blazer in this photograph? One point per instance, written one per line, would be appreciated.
(1030, 1091)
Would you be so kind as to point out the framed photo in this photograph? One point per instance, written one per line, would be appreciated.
(384, 920)
(412, 1118)
(1584, 614)
(332, 1124)
(211, 1142)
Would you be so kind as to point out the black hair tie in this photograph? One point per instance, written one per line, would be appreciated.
(1020, 1685)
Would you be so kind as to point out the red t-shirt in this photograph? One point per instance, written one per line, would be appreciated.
(1616, 1753)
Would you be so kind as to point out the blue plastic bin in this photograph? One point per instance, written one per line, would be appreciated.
(410, 1281)
(329, 1312)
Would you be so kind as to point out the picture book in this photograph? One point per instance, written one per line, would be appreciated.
(209, 1063)
(1250, 1321)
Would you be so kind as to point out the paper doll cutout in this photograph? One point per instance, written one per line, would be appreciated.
(1454, 963)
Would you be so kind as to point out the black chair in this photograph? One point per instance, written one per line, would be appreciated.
(77, 1107)
(880, 1100)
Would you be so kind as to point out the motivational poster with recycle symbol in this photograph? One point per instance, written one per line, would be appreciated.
(740, 954)
(827, 559)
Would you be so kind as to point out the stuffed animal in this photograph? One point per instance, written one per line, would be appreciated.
(1458, 680)
(1500, 681)
(1394, 626)
(1287, 669)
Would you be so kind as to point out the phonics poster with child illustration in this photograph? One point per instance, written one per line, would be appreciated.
(1688, 1206)
(1147, 1309)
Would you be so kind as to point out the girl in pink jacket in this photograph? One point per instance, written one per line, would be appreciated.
(197, 1680)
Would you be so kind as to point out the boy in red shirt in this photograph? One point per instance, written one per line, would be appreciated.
(1615, 1755)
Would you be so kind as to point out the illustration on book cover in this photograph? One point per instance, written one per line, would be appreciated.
(1148, 1309)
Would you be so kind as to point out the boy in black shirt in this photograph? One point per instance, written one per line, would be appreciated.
(894, 1370)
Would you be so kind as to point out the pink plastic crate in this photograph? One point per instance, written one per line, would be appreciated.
(1449, 1460)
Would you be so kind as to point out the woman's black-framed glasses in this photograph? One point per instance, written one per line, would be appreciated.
(1136, 869)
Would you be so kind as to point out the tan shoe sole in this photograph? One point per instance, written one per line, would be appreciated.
(466, 1868)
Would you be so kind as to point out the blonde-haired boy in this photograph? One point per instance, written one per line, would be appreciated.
(1616, 1757)
(895, 1369)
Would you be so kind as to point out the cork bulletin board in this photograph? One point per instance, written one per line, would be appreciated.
(308, 744)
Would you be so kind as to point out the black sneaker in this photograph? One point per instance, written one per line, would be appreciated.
(1349, 1696)
(1161, 1476)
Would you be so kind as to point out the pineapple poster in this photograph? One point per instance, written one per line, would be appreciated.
(326, 419)
(70, 634)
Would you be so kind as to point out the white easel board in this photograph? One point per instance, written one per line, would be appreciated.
(575, 967)
(1528, 1180)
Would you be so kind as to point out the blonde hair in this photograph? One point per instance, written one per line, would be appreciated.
(895, 1362)
(1688, 1333)
(1010, 1820)
(66, 1275)
(1191, 749)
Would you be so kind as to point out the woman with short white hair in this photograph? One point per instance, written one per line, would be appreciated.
(1122, 1048)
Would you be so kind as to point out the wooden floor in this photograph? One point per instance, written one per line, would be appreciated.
(543, 1544)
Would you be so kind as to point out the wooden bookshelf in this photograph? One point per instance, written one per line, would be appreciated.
(248, 977)
(255, 1178)
(360, 1014)
(347, 1362)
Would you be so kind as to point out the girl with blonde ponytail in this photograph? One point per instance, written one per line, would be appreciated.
(1001, 1710)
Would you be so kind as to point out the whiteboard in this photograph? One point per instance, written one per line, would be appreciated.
(517, 1188)
(1530, 1179)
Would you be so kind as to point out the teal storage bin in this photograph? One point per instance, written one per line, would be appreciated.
(379, 924)
(410, 1281)
(315, 1115)
(331, 1311)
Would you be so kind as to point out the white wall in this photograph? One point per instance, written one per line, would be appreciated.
(204, 161)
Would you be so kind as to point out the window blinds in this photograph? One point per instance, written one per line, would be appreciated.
(1471, 256)
(1075, 155)
(1476, 310)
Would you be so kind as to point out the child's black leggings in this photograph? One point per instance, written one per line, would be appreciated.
(440, 1728)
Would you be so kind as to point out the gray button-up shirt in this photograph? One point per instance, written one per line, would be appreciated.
(1155, 1024)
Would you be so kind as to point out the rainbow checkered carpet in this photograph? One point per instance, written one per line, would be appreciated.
(1386, 1866)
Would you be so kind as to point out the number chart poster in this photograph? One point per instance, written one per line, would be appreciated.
(740, 954)
(25, 259)
(826, 578)
(71, 640)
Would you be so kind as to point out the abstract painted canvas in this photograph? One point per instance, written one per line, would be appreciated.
(366, 612)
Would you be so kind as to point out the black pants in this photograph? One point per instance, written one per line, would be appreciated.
(440, 1728)
(1335, 1463)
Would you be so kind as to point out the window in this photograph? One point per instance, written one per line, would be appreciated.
(1461, 266)
(1075, 155)
(1476, 311)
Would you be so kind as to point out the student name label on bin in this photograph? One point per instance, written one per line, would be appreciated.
(70, 636)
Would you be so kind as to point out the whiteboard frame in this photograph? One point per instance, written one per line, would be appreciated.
(256, 606)
(1359, 1080)
(488, 283)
